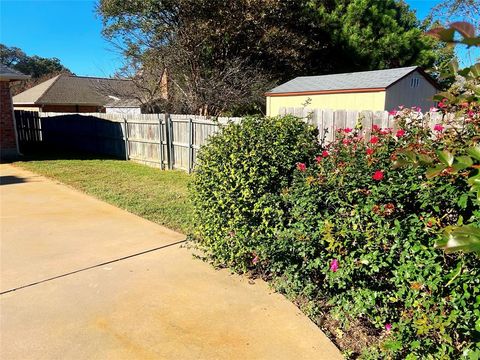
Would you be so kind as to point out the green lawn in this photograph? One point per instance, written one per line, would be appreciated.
(156, 195)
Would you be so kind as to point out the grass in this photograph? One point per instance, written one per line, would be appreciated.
(156, 195)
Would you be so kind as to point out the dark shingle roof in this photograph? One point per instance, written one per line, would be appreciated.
(7, 73)
(75, 90)
(347, 81)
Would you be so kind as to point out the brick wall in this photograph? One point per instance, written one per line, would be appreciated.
(8, 143)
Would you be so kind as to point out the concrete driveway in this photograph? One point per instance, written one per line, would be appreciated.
(81, 279)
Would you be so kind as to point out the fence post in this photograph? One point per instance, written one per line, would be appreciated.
(168, 138)
(160, 141)
(125, 131)
(190, 144)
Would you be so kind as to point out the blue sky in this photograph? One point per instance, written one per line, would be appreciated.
(70, 30)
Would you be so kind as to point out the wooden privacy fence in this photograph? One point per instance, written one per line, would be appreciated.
(328, 121)
(159, 140)
(163, 140)
(29, 130)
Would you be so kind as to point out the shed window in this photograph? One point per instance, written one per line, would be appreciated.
(414, 82)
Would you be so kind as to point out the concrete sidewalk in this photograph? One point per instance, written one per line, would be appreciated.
(159, 304)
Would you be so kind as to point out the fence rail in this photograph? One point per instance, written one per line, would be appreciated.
(163, 140)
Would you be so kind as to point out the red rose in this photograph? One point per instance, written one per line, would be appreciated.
(374, 140)
(400, 133)
(319, 159)
(301, 167)
(370, 151)
(378, 175)
(375, 128)
(347, 130)
(325, 153)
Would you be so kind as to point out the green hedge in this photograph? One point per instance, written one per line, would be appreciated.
(239, 177)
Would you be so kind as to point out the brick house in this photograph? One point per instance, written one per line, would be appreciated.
(8, 131)
(74, 94)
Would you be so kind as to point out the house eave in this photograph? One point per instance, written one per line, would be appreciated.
(321, 92)
(14, 77)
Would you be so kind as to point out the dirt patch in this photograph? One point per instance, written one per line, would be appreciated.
(352, 341)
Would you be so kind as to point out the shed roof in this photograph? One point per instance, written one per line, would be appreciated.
(356, 81)
(7, 73)
(75, 90)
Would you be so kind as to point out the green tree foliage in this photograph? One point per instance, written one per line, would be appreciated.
(376, 34)
(39, 68)
(280, 39)
(35, 66)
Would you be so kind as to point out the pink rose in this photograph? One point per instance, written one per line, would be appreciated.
(438, 127)
(334, 265)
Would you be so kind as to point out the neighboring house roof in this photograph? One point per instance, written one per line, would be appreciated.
(7, 73)
(75, 90)
(348, 82)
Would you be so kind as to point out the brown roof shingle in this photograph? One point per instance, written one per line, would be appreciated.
(75, 90)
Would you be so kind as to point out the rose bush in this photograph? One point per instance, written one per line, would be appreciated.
(348, 231)
(358, 246)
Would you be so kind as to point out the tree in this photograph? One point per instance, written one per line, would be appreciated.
(377, 34)
(454, 10)
(40, 69)
(11, 55)
(199, 41)
(35, 66)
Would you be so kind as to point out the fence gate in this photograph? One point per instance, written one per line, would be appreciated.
(29, 130)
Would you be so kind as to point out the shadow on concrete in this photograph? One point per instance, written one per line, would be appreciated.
(10, 180)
